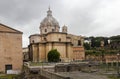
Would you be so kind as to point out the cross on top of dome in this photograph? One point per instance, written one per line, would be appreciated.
(49, 12)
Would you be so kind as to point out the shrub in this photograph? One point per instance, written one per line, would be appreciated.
(53, 55)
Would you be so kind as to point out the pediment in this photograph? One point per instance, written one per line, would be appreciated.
(4, 28)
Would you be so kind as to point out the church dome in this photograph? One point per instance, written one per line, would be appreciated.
(49, 20)
(49, 24)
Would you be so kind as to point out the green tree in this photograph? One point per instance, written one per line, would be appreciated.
(96, 41)
(53, 55)
(87, 46)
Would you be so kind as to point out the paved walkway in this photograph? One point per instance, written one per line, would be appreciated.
(81, 75)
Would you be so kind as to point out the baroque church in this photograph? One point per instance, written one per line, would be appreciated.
(69, 46)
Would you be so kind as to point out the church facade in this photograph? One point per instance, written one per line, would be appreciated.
(11, 57)
(50, 37)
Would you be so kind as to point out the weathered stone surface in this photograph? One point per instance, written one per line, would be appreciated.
(10, 48)
(50, 37)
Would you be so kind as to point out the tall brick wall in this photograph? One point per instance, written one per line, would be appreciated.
(10, 48)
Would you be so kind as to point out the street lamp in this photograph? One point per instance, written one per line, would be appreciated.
(118, 73)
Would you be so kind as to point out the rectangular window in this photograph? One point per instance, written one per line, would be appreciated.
(52, 30)
(79, 43)
(8, 67)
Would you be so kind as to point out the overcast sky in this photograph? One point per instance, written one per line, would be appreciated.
(83, 17)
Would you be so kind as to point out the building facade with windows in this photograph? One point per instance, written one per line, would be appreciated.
(50, 37)
(10, 49)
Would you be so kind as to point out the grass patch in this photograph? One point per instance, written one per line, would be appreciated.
(8, 76)
(114, 77)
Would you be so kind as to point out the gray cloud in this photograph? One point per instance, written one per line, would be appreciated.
(83, 17)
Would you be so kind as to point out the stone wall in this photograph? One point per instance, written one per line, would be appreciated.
(10, 48)
(86, 66)
(78, 53)
(107, 58)
(11, 51)
(52, 75)
(41, 73)
(67, 68)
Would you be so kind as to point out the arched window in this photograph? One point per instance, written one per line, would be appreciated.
(45, 30)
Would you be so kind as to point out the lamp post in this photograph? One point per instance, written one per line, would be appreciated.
(118, 73)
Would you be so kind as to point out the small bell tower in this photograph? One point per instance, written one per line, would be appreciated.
(64, 29)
